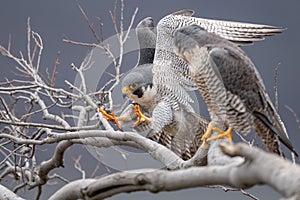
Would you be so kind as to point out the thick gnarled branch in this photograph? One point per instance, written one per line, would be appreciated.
(258, 168)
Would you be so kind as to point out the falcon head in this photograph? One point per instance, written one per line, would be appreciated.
(137, 83)
(141, 93)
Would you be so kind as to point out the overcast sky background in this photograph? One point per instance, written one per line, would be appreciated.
(54, 19)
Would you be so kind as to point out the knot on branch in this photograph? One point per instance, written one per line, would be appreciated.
(141, 179)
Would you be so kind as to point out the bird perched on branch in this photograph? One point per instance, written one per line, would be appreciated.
(171, 75)
(146, 34)
(231, 87)
(167, 93)
(183, 135)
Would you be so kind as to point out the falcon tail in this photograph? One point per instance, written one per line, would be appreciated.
(270, 132)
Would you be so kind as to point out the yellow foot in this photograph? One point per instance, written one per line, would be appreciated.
(141, 117)
(222, 134)
(111, 117)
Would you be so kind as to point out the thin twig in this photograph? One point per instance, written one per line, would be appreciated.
(294, 114)
(101, 46)
(227, 189)
(39, 42)
(91, 26)
(100, 28)
(54, 72)
(276, 85)
(28, 42)
(7, 110)
(77, 166)
(59, 177)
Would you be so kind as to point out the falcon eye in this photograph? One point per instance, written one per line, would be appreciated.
(134, 85)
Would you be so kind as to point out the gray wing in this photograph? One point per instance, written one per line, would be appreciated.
(241, 78)
(146, 33)
(171, 74)
(217, 60)
(238, 32)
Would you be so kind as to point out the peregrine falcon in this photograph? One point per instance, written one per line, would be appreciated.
(171, 76)
(231, 87)
(167, 93)
(183, 135)
(142, 77)
(139, 80)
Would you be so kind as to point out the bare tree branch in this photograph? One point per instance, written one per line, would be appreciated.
(34, 111)
(294, 114)
(91, 26)
(54, 162)
(8, 195)
(259, 168)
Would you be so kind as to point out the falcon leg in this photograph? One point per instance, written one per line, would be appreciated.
(111, 118)
(224, 134)
(207, 135)
(141, 117)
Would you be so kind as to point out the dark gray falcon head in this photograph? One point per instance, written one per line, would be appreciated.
(139, 80)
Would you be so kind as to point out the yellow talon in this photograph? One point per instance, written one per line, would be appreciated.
(222, 134)
(111, 117)
(141, 117)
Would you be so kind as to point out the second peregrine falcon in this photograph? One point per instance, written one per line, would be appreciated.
(231, 87)
(167, 93)
(183, 135)
(171, 76)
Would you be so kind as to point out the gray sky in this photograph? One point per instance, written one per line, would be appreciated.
(55, 19)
